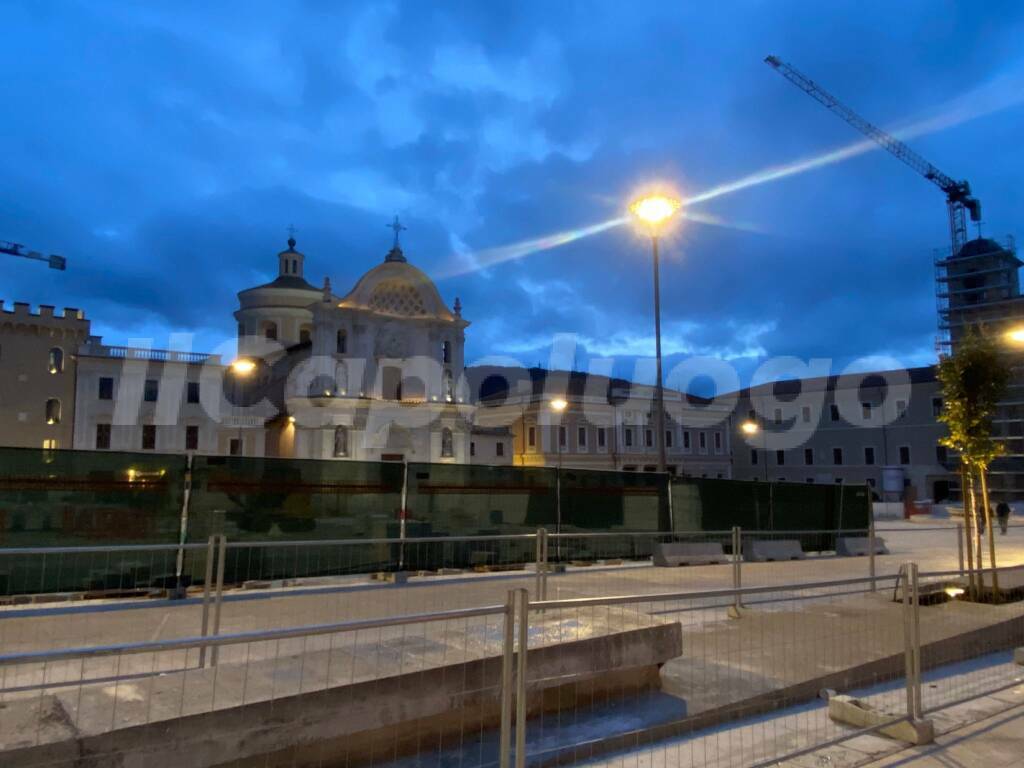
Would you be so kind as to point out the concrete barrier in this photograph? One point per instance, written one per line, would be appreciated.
(767, 550)
(675, 553)
(856, 546)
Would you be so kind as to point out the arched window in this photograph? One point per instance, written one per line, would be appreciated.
(241, 330)
(446, 352)
(270, 331)
(447, 449)
(341, 441)
(56, 363)
(449, 389)
(305, 335)
(342, 342)
(53, 411)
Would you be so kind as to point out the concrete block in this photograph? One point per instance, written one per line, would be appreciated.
(861, 714)
(669, 554)
(855, 546)
(766, 550)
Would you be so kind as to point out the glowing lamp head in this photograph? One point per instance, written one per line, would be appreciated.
(655, 210)
(954, 592)
(749, 428)
(1016, 336)
(243, 366)
(558, 405)
(291, 419)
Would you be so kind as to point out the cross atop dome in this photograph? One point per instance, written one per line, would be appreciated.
(395, 254)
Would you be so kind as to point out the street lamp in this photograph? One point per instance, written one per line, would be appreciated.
(558, 405)
(1015, 336)
(654, 213)
(240, 368)
(751, 428)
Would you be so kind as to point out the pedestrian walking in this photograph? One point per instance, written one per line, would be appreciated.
(1003, 515)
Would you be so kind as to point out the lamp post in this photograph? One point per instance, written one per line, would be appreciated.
(751, 428)
(558, 406)
(240, 368)
(654, 212)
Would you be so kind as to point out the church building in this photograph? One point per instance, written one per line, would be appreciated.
(374, 374)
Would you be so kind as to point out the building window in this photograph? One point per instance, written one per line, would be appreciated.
(901, 409)
(192, 393)
(191, 438)
(941, 454)
(837, 456)
(778, 415)
(809, 456)
(810, 480)
(562, 437)
(833, 411)
(50, 444)
(718, 442)
(447, 446)
(148, 437)
(106, 388)
(235, 446)
(499, 448)
(628, 437)
(869, 455)
(600, 437)
(752, 415)
(56, 362)
(668, 438)
(341, 441)
(581, 437)
(150, 390)
(936, 406)
(649, 438)
(341, 343)
(472, 448)
(103, 437)
(780, 458)
(686, 439)
(531, 436)
(865, 411)
(446, 352)
(304, 336)
(805, 413)
(53, 411)
(270, 331)
(904, 454)
(241, 330)
(702, 441)
(753, 456)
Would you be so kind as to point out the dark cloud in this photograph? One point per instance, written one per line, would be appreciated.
(164, 149)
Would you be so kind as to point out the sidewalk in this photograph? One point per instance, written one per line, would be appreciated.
(996, 742)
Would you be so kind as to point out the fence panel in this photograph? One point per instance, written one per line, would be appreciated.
(82, 498)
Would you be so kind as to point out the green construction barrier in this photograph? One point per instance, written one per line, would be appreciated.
(88, 498)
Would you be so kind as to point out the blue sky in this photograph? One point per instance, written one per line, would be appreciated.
(165, 148)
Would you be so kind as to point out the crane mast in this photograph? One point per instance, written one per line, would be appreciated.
(959, 201)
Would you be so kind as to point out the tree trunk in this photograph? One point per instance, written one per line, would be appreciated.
(979, 566)
(991, 534)
(966, 499)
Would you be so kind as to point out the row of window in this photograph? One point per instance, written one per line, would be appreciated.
(150, 390)
(103, 432)
(866, 411)
(499, 448)
(340, 342)
(628, 438)
(837, 456)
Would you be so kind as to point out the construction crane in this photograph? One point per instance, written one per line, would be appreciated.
(959, 201)
(17, 249)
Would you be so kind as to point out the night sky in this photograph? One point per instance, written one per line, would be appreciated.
(165, 148)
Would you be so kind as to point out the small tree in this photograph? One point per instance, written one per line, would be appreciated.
(974, 378)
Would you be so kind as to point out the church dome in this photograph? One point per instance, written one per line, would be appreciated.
(398, 289)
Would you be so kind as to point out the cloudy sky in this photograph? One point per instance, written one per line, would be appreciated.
(165, 148)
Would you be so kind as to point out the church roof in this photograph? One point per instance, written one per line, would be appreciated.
(287, 281)
(398, 289)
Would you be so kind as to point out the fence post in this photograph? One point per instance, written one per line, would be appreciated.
(179, 561)
(960, 546)
(871, 548)
(912, 641)
(208, 577)
(541, 564)
(218, 594)
(524, 642)
(737, 574)
(401, 515)
(507, 656)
